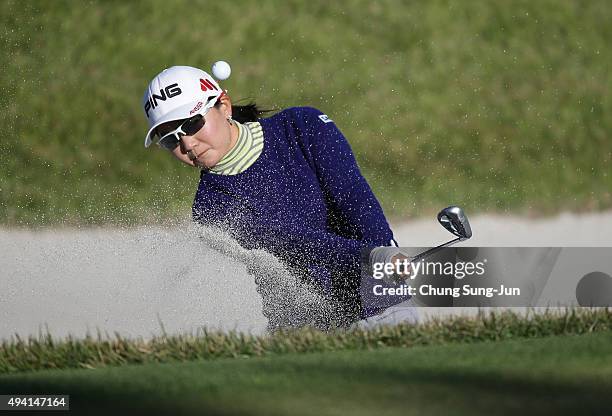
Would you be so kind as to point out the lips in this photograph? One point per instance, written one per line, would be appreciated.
(195, 158)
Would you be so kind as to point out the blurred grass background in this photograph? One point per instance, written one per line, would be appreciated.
(496, 106)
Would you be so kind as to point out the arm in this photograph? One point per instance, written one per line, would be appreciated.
(304, 247)
(292, 241)
(349, 195)
(300, 245)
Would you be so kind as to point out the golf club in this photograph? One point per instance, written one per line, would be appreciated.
(454, 220)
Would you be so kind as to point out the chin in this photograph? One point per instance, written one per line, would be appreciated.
(209, 163)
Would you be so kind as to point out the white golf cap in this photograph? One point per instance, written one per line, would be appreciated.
(177, 93)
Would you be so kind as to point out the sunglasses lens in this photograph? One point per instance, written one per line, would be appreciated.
(193, 125)
(189, 127)
(169, 142)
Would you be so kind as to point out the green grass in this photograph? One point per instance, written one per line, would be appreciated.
(490, 105)
(45, 352)
(551, 375)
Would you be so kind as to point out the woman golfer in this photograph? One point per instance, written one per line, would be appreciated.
(288, 183)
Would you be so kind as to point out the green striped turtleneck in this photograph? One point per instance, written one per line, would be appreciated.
(245, 152)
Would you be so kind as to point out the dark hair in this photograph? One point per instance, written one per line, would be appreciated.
(247, 112)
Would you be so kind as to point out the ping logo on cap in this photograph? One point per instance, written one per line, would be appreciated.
(206, 85)
(170, 91)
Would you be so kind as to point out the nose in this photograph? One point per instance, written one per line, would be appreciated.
(187, 143)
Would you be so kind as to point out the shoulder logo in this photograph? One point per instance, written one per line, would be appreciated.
(325, 119)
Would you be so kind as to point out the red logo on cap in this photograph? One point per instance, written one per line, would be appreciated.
(196, 108)
(206, 85)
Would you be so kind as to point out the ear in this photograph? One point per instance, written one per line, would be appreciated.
(226, 105)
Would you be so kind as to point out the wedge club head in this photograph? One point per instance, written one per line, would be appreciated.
(454, 220)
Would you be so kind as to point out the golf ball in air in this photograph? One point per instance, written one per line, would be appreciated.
(221, 70)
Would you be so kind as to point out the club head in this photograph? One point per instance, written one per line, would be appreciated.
(454, 220)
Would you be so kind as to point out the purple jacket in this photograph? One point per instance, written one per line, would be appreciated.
(304, 200)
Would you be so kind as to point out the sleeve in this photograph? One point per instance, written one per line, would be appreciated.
(336, 259)
(353, 203)
(291, 241)
(299, 245)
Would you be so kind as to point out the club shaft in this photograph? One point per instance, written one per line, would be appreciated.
(435, 249)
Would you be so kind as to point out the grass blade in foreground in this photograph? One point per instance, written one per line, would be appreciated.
(48, 353)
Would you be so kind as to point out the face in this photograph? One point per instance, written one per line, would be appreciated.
(207, 147)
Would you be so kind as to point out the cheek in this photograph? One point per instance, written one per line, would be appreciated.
(215, 135)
